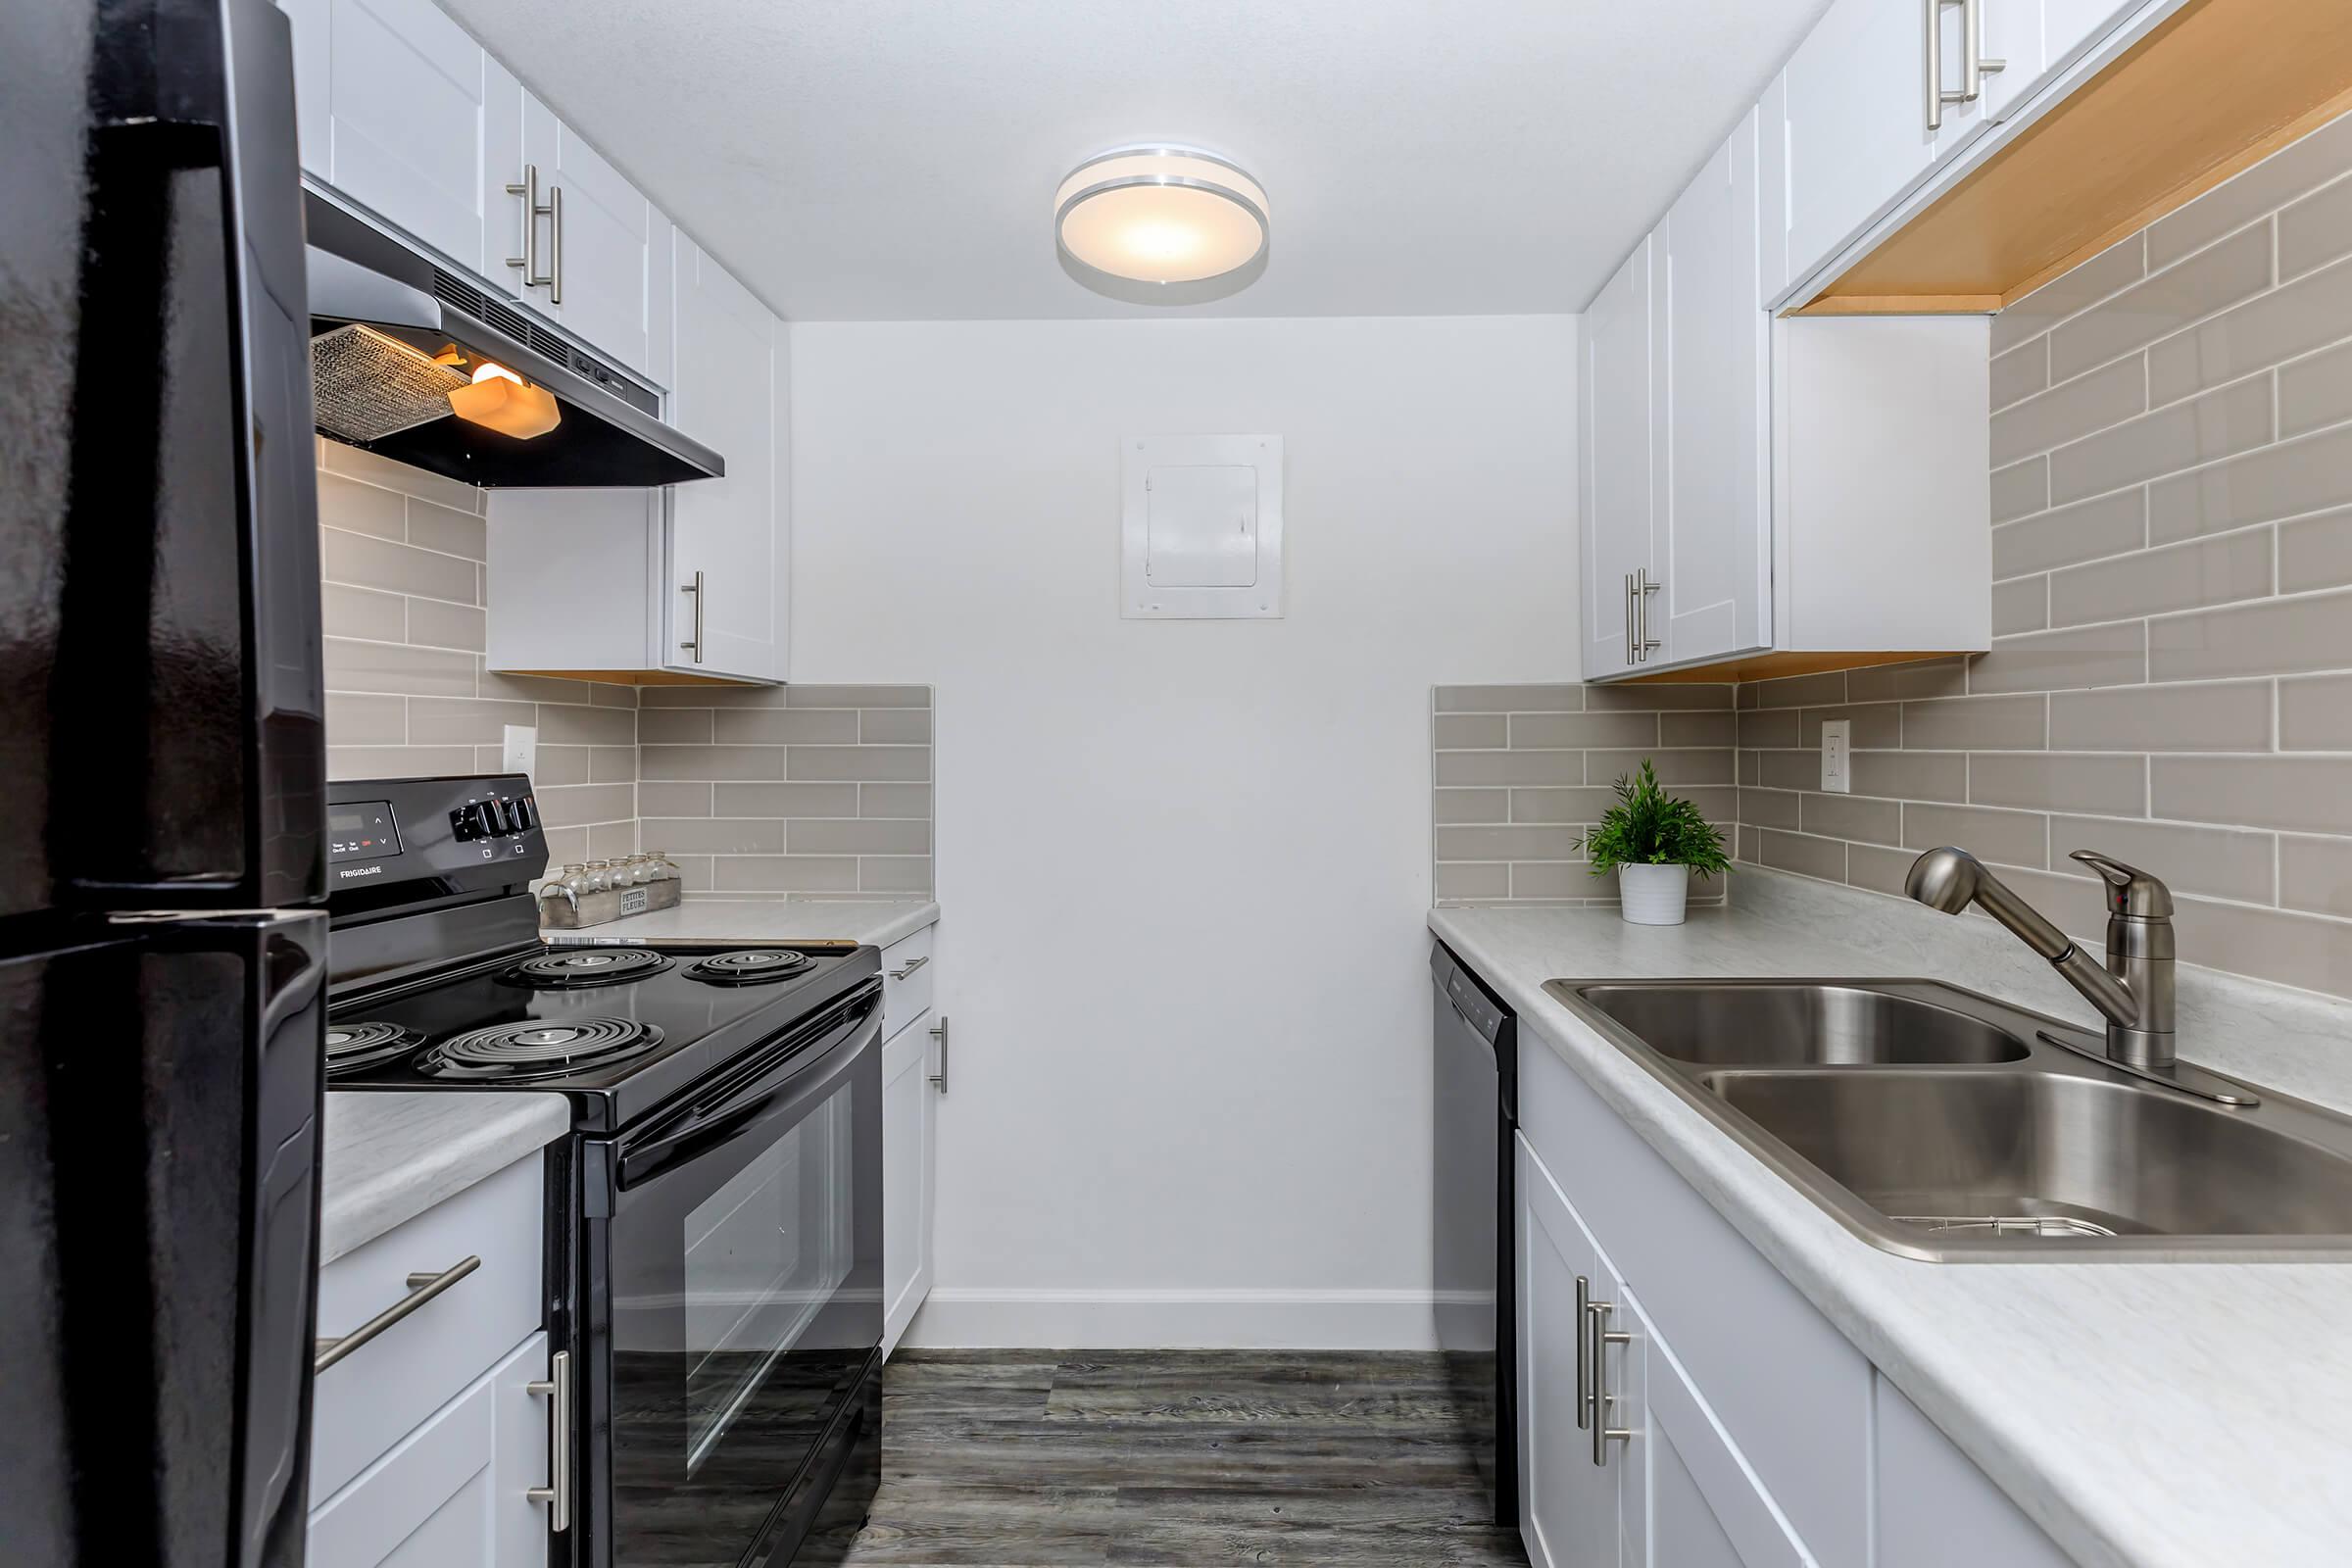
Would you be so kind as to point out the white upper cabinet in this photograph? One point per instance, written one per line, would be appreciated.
(729, 537)
(1808, 491)
(597, 256)
(1616, 477)
(397, 108)
(693, 579)
(1714, 596)
(1857, 122)
(400, 110)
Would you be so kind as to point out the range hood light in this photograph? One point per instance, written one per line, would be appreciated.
(498, 399)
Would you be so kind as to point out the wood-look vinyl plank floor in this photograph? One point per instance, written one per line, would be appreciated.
(1029, 1460)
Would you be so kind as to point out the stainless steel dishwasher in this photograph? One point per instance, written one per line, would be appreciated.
(1474, 1084)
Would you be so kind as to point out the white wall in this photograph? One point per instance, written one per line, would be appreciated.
(1183, 864)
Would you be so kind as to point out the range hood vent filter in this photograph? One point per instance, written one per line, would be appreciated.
(368, 386)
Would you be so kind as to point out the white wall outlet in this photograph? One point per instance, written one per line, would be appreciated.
(1836, 754)
(522, 750)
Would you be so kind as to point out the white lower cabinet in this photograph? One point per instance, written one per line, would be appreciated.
(1571, 1504)
(453, 1494)
(428, 1437)
(913, 1081)
(1749, 1432)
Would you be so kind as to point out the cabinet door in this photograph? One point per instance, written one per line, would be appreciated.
(395, 106)
(727, 529)
(1569, 1504)
(599, 246)
(1615, 397)
(909, 1150)
(1857, 122)
(1713, 511)
(455, 1489)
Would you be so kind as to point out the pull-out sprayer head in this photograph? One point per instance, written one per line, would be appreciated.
(1944, 879)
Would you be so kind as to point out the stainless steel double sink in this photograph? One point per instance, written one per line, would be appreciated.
(1934, 1122)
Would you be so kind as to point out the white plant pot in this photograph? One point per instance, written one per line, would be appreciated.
(1653, 895)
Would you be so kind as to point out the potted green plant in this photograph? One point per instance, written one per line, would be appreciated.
(1653, 840)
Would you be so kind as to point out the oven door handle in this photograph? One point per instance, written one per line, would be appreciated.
(783, 1093)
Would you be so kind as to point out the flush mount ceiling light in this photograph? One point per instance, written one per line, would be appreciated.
(1163, 224)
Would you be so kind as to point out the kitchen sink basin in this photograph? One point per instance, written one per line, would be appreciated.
(1748, 1023)
(1941, 1124)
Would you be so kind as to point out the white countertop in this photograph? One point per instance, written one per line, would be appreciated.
(2141, 1413)
(707, 919)
(391, 1157)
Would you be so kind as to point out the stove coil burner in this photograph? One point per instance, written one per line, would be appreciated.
(751, 967)
(577, 968)
(534, 1049)
(352, 1046)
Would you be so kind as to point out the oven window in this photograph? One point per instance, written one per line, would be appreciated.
(764, 1254)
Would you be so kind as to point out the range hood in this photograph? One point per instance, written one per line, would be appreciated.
(392, 334)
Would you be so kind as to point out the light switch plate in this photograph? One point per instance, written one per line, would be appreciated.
(1837, 755)
(522, 750)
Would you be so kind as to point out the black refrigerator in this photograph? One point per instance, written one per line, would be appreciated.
(163, 936)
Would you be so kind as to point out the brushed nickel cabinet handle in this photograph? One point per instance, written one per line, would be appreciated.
(422, 1288)
(532, 211)
(1935, 25)
(939, 1032)
(554, 245)
(1633, 614)
(913, 965)
(694, 588)
(556, 1493)
(1644, 589)
(1584, 1354)
(1974, 66)
(1601, 1336)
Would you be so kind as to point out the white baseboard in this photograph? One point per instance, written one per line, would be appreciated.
(980, 1318)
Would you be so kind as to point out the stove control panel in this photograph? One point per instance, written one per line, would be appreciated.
(420, 841)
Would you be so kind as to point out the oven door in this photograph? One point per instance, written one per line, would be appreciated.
(732, 1297)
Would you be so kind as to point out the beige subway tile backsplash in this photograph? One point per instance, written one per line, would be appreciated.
(776, 792)
(2053, 660)
(1523, 772)
(2168, 300)
(2262, 332)
(2087, 530)
(2150, 582)
(2217, 716)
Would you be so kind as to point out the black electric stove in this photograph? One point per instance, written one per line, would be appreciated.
(715, 1218)
(620, 1030)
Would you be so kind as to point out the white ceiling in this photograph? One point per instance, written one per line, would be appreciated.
(862, 160)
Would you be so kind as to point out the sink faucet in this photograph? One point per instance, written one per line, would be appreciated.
(2133, 991)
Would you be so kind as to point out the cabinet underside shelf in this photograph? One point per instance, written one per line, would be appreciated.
(1776, 665)
(2211, 91)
